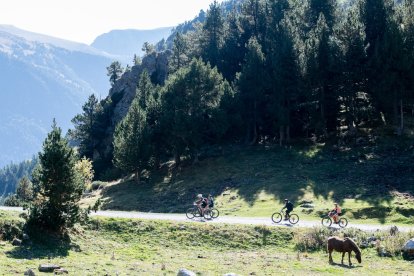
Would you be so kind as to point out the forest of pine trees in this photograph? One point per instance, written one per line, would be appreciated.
(258, 71)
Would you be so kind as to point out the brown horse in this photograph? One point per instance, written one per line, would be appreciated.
(343, 245)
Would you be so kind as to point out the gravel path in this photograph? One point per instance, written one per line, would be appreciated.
(226, 220)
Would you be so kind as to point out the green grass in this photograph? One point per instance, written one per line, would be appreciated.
(141, 247)
(373, 183)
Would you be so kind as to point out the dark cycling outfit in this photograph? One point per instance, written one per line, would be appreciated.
(289, 208)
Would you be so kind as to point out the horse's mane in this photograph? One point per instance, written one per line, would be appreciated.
(354, 245)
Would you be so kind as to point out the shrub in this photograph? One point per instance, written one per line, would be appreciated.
(312, 239)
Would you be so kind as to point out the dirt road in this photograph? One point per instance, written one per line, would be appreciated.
(225, 219)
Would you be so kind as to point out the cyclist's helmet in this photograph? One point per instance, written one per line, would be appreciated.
(199, 195)
(286, 199)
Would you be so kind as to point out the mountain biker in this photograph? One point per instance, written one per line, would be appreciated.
(289, 208)
(210, 201)
(335, 213)
(201, 203)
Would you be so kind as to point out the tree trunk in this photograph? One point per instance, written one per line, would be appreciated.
(396, 115)
(401, 117)
(322, 105)
(137, 176)
(177, 159)
(157, 162)
(254, 139)
(195, 157)
(288, 134)
(281, 135)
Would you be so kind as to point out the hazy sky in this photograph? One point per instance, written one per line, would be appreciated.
(83, 20)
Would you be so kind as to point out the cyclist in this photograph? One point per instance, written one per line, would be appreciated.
(335, 213)
(201, 203)
(289, 208)
(210, 201)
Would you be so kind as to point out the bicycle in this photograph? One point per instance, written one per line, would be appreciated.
(211, 213)
(327, 221)
(278, 216)
(193, 212)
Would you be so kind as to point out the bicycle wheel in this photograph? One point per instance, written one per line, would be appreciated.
(327, 221)
(293, 219)
(343, 222)
(190, 213)
(208, 214)
(214, 213)
(277, 217)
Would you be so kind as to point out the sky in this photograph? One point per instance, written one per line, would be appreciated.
(84, 20)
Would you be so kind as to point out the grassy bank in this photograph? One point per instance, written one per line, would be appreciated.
(372, 182)
(135, 247)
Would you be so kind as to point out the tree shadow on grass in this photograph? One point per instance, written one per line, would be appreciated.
(292, 173)
(43, 245)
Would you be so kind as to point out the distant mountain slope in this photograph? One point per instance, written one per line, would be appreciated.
(126, 43)
(42, 78)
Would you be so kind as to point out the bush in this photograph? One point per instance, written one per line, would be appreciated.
(111, 174)
(12, 201)
(313, 239)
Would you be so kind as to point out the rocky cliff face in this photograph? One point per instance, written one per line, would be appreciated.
(156, 64)
(124, 90)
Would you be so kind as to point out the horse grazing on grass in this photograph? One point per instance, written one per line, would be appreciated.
(343, 245)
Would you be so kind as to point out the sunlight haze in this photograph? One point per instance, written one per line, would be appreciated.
(84, 20)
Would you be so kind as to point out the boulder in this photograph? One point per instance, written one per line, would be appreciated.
(48, 267)
(29, 272)
(60, 271)
(185, 272)
(307, 205)
(408, 248)
(25, 237)
(16, 242)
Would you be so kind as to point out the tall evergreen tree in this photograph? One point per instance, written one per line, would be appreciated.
(58, 186)
(283, 64)
(233, 50)
(251, 83)
(212, 34)
(355, 104)
(115, 71)
(24, 189)
(317, 7)
(85, 127)
(191, 99)
(131, 141)
(179, 56)
(321, 77)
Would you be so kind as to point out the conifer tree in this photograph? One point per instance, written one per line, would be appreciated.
(251, 83)
(85, 127)
(179, 56)
(233, 50)
(131, 141)
(191, 99)
(353, 92)
(24, 189)
(212, 34)
(115, 71)
(58, 187)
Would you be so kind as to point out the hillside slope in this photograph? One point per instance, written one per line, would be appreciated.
(370, 182)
